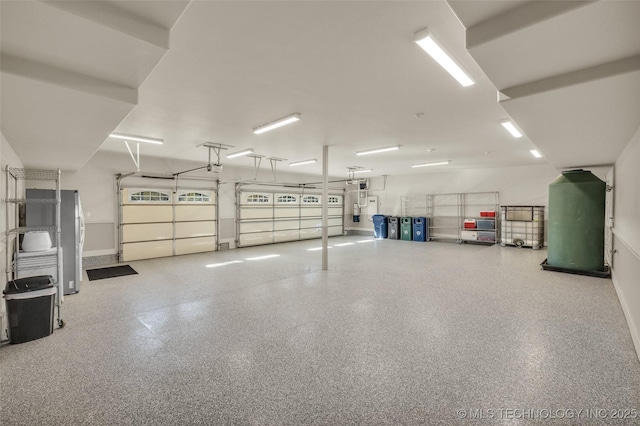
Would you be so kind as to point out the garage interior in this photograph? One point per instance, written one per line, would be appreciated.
(262, 295)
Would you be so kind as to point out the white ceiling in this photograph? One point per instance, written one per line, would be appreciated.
(568, 73)
(73, 72)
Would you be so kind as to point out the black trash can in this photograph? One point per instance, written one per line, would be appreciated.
(379, 226)
(30, 307)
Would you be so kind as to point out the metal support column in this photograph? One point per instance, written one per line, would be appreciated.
(325, 208)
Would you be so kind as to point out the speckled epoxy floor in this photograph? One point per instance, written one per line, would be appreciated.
(396, 332)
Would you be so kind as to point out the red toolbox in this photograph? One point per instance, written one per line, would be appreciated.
(487, 214)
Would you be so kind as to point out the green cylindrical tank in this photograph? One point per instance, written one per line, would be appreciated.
(576, 221)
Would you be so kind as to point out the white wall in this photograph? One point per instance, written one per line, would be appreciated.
(626, 238)
(516, 185)
(7, 157)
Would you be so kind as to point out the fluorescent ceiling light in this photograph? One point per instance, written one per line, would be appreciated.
(377, 150)
(431, 164)
(240, 153)
(300, 163)
(535, 153)
(361, 171)
(136, 138)
(425, 39)
(512, 129)
(277, 123)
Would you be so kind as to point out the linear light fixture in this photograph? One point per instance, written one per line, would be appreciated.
(300, 163)
(136, 138)
(277, 123)
(512, 129)
(429, 44)
(441, 163)
(377, 150)
(362, 171)
(535, 153)
(240, 153)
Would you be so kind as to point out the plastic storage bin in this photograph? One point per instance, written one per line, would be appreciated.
(485, 224)
(469, 235)
(393, 228)
(30, 308)
(486, 236)
(405, 228)
(379, 226)
(420, 228)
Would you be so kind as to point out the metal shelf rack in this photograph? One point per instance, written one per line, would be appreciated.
(448, 211)
(473, 204)
(13, 202)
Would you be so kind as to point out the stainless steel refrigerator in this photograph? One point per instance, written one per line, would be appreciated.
(71, 230)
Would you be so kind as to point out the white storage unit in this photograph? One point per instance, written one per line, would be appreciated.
(161, 222)
(273, 217)
(523, 226)
(469, 235)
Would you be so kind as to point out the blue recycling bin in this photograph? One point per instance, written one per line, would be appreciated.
(379, 226)
(420, 229)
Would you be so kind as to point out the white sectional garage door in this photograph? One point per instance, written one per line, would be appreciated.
(163, 222)
(273, 217)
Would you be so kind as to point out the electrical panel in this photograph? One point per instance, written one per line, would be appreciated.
(372, 205)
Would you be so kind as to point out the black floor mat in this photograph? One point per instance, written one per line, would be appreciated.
(110, 272)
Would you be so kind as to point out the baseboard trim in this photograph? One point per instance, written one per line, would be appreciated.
(106, 259)
(360, 232)
(633, 329)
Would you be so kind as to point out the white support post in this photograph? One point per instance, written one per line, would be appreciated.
(325, 208)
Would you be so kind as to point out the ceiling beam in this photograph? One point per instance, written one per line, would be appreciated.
(106, 14)
(572, 78)
(511, 21)
(72, 80)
